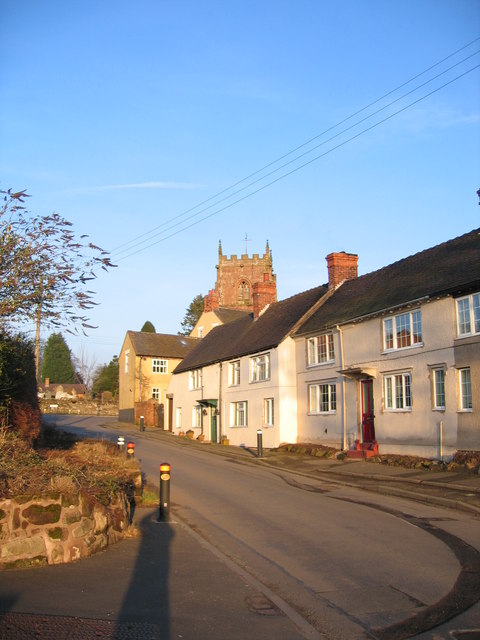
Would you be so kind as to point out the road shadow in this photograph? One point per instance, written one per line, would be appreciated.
(147, 601)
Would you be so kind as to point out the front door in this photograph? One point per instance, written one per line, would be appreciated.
(368, 429)
(213, 424)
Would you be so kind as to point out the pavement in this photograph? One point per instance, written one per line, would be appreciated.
(168, 583)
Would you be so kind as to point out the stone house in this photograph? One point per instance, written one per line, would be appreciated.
(146, 362)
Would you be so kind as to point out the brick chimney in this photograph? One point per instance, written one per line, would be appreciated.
(211, 302)
(47, 382)
(341, 266)
(264, 293)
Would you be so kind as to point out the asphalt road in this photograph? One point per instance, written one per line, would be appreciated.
(333, 559)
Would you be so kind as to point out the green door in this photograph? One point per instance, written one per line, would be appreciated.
(213, 424)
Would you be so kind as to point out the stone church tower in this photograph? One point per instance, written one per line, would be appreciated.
(243, 282)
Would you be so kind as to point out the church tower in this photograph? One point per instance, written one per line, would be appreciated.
(243, 281)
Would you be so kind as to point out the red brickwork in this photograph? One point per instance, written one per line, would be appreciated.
(151, 411)
(211, 302)
(236, 277)
(341, 266)
(264, 293)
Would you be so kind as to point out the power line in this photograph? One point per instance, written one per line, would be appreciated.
(288, 173)
(263, 177)
(133, 242)
(181, 219)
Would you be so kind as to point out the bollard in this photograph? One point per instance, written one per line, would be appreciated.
(164, 512)
(120, 444)
(142, 423)
(259, 443)
(130, 449)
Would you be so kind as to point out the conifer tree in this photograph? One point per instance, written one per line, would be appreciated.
(148, 327)
(106, 378)
(193, 313)
(57, 361)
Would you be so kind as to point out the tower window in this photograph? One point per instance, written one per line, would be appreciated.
(243, 291)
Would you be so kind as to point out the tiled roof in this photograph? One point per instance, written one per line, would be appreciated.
(449, 268)
(229, 315)
(247, 335)
(162, 345)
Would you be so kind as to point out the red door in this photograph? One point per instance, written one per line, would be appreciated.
(368, 429)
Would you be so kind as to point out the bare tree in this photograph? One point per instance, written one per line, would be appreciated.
(86, 367)
(44, 269)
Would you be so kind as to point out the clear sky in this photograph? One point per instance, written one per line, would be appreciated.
(122, 116)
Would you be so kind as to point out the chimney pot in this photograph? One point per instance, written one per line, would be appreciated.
(264, 294)
(341, 266)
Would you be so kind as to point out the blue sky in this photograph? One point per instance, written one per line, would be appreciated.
(122, 116)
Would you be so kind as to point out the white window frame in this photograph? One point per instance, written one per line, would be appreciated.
(178, 417)
(268, 412)
(195, 379)
(322, 398)
(197, 416)
(320, 349)
(127, 359)
(438, 388)
(159, 365)
(465, 389)
(157, 393)
(393, 326)
(239, 414)
(234, 373)
(200, 332)
(397, 389)
(468, 315)
(260, 368)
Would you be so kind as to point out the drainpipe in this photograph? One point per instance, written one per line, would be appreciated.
(441, 440)
(219, 407)
(344, 402)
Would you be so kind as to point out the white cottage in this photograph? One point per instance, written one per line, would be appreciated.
(390, 362)
(242, 376)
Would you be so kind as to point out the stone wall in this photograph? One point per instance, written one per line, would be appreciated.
(80, 407)
(55, 529)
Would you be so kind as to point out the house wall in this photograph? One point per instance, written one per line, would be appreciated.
(421, 431)
(467, 353)
(281, 387)
(325, 428)
(287, 411)
(207, 321)
(126, 380)
(137, 381)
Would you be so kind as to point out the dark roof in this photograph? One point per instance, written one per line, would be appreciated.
(161, 344)
(229, 315)
(247, 335)
(449, 268)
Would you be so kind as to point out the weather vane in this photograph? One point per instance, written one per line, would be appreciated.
(247, 239)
